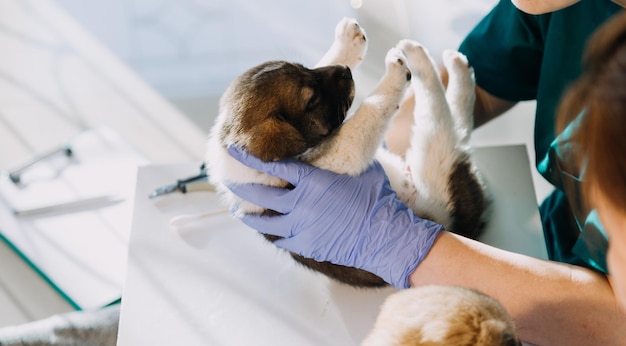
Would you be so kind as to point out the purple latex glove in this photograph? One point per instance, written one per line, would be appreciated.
(351, 221)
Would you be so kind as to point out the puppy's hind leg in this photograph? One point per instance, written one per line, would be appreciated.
(460, 93)
(471, 198)
(432, 152)
(433, 126)
(349, 47)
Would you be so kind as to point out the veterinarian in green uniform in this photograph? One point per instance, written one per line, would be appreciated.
(359, 222)
(517, 57)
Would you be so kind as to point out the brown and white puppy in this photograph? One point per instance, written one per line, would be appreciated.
(281, 110)
(442, 316)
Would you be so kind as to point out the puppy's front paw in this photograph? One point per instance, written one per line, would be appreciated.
(352, 37)
(349, 46)
(350, 43)
(396, 64)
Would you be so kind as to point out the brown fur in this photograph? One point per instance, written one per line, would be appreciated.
(442, 316)
(468, 200)
(275, 103)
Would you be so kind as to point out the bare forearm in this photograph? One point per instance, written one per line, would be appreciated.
(552, 303)
(488, 107)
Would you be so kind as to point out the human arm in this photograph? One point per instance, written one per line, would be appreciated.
(488, 107)
(552, 303)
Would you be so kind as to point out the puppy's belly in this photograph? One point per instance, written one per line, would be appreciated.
(399, 176)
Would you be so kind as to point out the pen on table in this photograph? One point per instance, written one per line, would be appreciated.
(82, 204)
(199, 182)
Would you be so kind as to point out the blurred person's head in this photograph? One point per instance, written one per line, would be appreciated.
(599, 97)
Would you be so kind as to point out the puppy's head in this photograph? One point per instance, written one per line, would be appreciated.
(279, 109)
(437, 315)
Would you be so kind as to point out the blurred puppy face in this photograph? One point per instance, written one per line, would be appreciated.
(279, 109)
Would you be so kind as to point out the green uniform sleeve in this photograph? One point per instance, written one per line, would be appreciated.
(506, 51)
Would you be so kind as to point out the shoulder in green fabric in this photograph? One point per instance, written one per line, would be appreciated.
(520, 57)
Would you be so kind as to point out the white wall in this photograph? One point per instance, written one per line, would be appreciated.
(193, 48)
(189, 50)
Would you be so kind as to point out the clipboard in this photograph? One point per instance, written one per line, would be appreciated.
(80, 251)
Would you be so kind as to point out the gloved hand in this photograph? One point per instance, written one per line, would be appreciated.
(351, 221)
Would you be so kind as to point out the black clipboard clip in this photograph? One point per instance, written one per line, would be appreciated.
(16, 175)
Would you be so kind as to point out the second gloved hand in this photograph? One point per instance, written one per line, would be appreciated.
(351, 221)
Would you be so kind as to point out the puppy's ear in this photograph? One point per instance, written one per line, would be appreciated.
(274, 140)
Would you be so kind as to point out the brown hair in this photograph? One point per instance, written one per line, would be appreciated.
(601, 93)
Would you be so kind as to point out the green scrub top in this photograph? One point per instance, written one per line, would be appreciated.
(518, 57)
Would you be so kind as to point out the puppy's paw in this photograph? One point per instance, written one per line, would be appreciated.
(454, 58)
(352, 37)
(349, 46)
(460, 93)
(418, 59)
(396, 64)
(459, 70)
